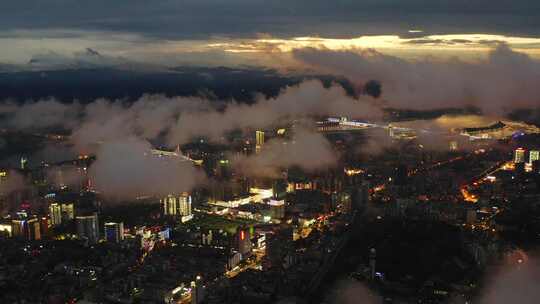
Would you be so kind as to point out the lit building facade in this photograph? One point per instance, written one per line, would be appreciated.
(6, 229)
(534, 155)
(60, 213)
(259, 141)
(19, 228)
(197, 291)
(279, 244)
(277, 209)
(88, 228)
(519, 156)
(243, 238)
(27, 229)
(33, 232)
(177, 205)
(44, 227)
(114, 232)
(55, 213)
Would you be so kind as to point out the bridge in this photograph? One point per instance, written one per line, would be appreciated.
(174, 154)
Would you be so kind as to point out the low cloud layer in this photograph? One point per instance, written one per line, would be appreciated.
(119, 134)
(38, 115)
(105, 121)
(515, 282)
(125, 169)
(306, 100)
(13, 182)
(449, 122)
(184, 117)
(308, 150)
(504, 81)
(353, 292)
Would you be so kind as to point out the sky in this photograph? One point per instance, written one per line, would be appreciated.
(261, 32)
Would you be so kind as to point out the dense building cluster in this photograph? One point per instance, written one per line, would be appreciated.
(242, 238)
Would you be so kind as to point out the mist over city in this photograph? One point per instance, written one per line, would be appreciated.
(274, 152)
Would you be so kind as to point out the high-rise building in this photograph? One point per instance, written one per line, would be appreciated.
(534, 155)
(68, 212)
(243, 240)
(177, 205)
(372, 263)
(28, 229)
(279, 244)
(401, 177)
(519, 156)
(366, 197)
(33, 232)
(185, 205)
(536, 166)
(61, 213)
(19, 228)
(277, 209)
(114, 232)
(55, 213)
(223, 169)
(24, 161)
(259, 141)
(520, 171)
(207, 237)
(169, 204)
(360, 196)
(197, 291)
(14, 197)
(470, 216)
(88, 228)
(391, 132)
(279, 189)
(6, 229)
(44, 226)
(343, 200)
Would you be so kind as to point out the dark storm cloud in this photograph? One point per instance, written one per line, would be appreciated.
(204, 18)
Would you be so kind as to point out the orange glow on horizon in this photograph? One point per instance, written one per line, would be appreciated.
(466, 43)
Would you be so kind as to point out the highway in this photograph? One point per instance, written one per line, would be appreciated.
(477, 180)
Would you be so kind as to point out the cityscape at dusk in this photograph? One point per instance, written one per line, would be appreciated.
(272, 152)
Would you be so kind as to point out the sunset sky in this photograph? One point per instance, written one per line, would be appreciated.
(261, 32)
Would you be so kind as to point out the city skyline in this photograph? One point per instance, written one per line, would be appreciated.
(273, 152)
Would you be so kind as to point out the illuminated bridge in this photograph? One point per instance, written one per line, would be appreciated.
(333, 124)
(343, 124)
(174, 154)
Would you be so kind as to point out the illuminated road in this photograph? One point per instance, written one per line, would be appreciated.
(479, 179)
(436, 165)
(251, 264)
(467, 196)
(446, 162)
